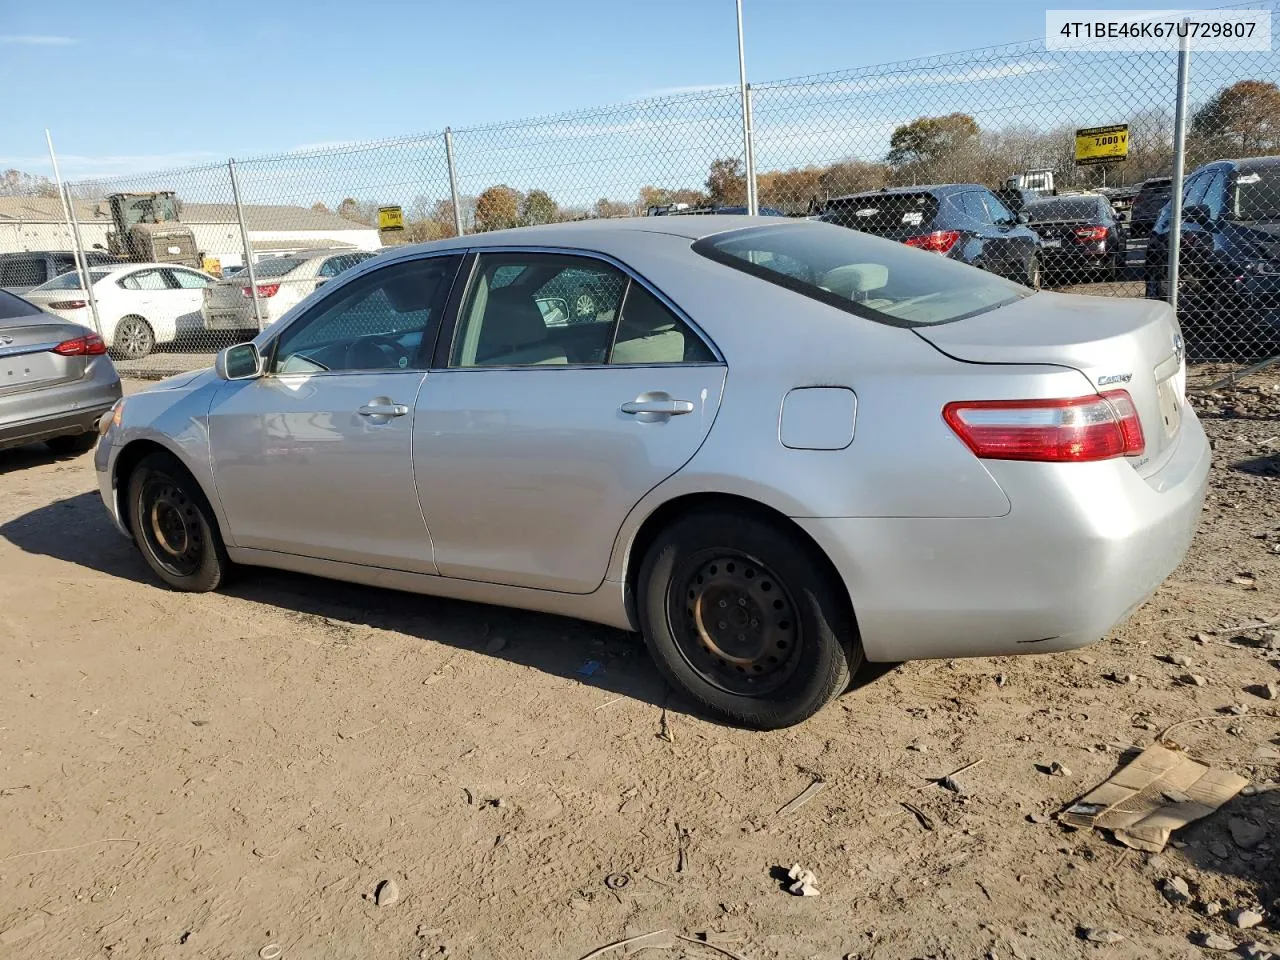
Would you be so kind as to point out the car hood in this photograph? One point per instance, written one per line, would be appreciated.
(191, 380)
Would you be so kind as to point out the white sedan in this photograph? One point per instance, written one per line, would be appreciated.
(139, 304)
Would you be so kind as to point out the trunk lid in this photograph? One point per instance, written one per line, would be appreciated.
(27, 360)
(227, 294)
(1117, 343)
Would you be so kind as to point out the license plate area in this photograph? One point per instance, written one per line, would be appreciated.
(1170, 399)
(1051, 244)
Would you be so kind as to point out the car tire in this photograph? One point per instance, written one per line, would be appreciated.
(798, 646)
(174, 526)
(133, 339)
(1035, 275)
(72, 445)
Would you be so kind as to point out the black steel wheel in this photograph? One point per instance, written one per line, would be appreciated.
(746, 618)
(174, 525)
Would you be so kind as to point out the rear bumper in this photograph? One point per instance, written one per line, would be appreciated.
(233, 318)
(1084, 545)
(62, 410)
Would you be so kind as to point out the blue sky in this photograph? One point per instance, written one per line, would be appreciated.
(151, 85)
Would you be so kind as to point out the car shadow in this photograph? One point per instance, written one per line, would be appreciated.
(13, 459)
(1259, 466)
(611, 660)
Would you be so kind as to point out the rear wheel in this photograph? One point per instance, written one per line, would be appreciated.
(133, 339)
(744, 619)
(174, 525)
(73, 445)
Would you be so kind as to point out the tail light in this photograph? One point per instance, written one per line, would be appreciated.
(89, 346)
(1074, 430)
(264, 290)
(940, 241)
(68, 304)
(1089, 234)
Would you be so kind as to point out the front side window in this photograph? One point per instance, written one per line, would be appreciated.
(873, 278)
(998, 211)
(971, 203)
(377, 322)
(145, 280)
(551, 310)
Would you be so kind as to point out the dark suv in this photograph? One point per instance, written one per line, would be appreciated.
(963, 221)
(20, 272)
(1229, 269)
(1151, 199)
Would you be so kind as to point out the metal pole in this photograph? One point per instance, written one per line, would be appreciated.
(248, 247)
(453, 181)
(746, 115)
(82, 264)
(753, 195)
(1179, 163)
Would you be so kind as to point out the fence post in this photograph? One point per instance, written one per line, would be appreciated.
(1179, 163)
(753, 197)
(745, 94)
(244, 240)
(82, 262)
(453, 181)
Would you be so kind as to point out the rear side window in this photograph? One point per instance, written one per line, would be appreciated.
(345, 261)
(884, 213)
(867, 276)
(23, 272)
(11, 306)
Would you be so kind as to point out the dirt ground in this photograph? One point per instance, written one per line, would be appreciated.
(226, 775)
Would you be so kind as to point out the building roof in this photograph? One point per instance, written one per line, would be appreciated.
(259, 216)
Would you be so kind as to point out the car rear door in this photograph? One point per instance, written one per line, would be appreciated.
(313, 458)
(1016, 243)
(534, 437)
(186, 288)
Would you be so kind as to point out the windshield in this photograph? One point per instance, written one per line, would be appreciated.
(873, 278)
(1076, 208)
(273, 267)
(149, 210)
(1257, 195)
(71, 281)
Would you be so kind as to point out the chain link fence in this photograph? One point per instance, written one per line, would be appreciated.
(971, 155)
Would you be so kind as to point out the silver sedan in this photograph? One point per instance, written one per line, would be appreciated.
(776, 449)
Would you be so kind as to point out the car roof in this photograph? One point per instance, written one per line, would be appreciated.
(936, 188)
(1251, 164)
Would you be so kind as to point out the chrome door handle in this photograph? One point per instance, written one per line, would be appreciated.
(383, 410)
(670, 408)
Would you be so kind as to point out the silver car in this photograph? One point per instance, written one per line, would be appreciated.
(56, 380)
(775, 448)
(282, 282)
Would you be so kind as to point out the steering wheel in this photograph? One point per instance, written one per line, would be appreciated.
(376, 352)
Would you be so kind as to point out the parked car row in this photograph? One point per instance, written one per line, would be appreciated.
(141, 305)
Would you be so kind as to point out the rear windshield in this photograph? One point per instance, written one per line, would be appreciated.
(11, 306)
(1257, 195)
(71, 281)
(275, 267)
(1153, 196)
(1075, 208)
(881, 214)
(873, 278)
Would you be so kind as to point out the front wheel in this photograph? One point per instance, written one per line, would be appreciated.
(133, 339)
(174, 525)
(1034, 277)
(746, 620)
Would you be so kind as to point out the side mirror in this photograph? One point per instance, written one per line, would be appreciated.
(1199, 214)
(1023, 217)
(239, 362)
(321, 281)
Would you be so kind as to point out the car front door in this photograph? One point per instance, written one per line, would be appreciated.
(535, 437)
(313, 458)
(187, 292)
(1012, 243)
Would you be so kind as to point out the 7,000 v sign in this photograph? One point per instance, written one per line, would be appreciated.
(1102, 144)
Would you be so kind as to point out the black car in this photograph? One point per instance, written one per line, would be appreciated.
(1229, 267)
(1151, 199)
(20, 272)
(1080, 237)
(963, 221)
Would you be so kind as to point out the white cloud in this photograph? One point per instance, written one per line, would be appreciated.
(36, 40)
